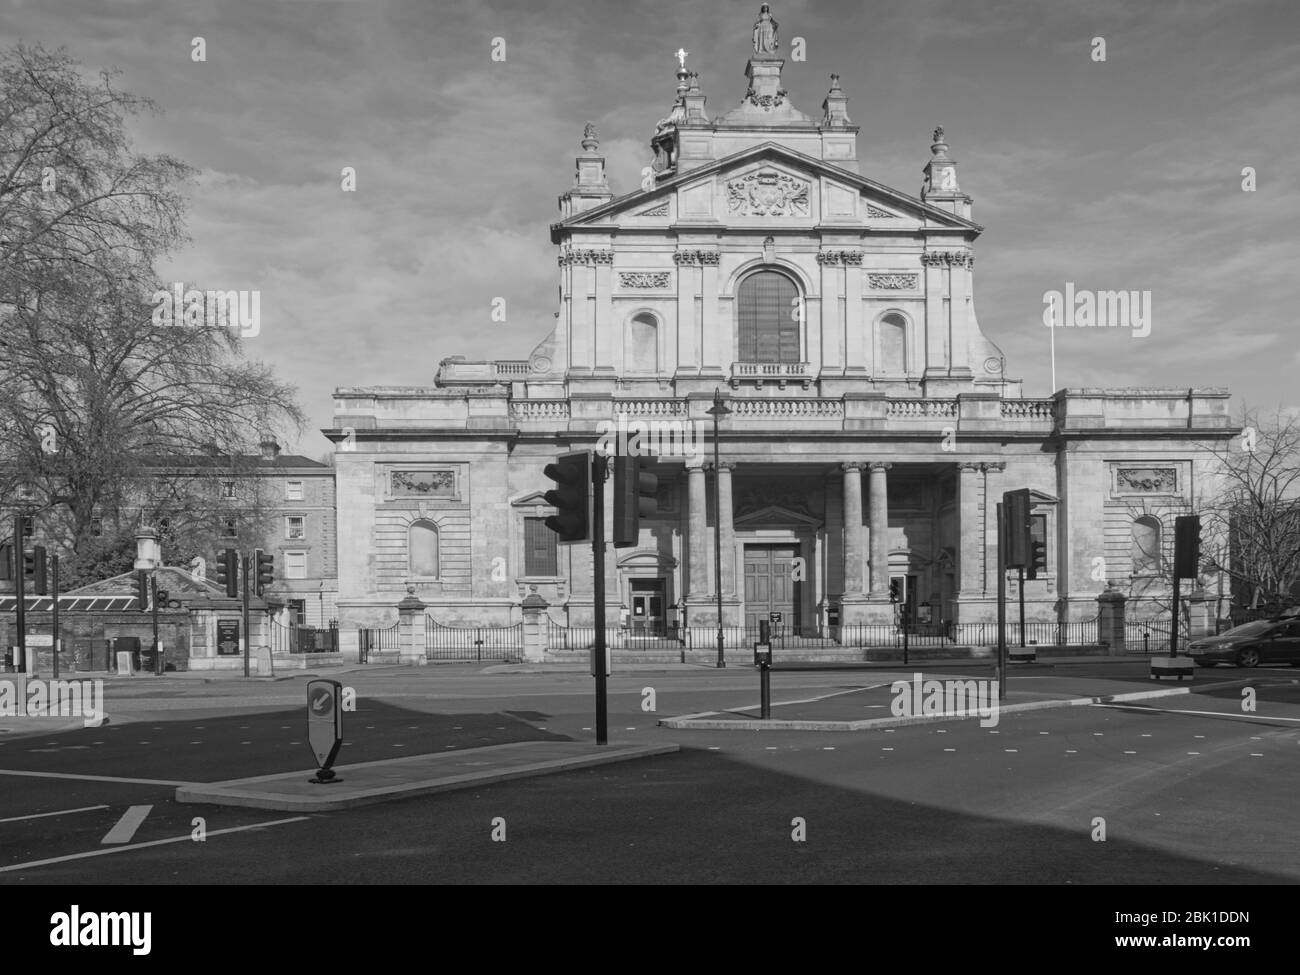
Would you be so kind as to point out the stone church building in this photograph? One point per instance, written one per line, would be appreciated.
(872, 425)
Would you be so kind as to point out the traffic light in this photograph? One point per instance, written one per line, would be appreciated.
(1187, 546)
(895, 591)
(142, 589)
(1037, 559)
(263, 570)
(634, 499)
(228, 571)
(1017, 528)
(6, 561)
(34, 569)
(163, 597)
(572, 496)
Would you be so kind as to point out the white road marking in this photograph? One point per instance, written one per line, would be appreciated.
(187, 838)
(90, 778)
(61, 812)
(886, 749)
(1252, 755)
(1193, 753)
(1130, 753)
(950, 749)
(127, 825)
(1071, 751)
(1009, 749)
(1211, 714)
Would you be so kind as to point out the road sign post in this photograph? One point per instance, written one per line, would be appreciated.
(597, 493)
(325, 726)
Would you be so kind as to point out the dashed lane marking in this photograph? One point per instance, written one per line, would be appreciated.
(187, 838)
(89, 778)
(125, 827)
(61, 812)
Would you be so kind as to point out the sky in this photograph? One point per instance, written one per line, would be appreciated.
(1117, 174)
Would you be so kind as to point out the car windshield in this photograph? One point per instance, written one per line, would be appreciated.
(1254, 628)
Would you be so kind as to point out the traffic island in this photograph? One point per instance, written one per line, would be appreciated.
(367, 783)
(1179, 667)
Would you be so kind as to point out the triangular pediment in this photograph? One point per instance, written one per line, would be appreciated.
(531, 499)
(775, 514)
(762, 181)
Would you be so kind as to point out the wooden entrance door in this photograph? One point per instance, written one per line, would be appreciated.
(771, 588)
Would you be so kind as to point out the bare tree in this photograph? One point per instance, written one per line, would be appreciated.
(110, 418)
(1257, 514)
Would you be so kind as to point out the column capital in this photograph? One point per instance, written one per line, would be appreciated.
(879, 465)
(970, 467)
(723, 465)
(994, 466)
(852, 465)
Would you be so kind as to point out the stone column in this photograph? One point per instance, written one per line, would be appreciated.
(854, 549)
(878, 515)
(728, 528)
(970, 531)
(1110, 625)
(410, 632)
(697, 533)
(535, 625)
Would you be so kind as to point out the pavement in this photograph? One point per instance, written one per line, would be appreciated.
(366, 783)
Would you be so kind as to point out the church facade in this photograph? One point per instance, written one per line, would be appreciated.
(871, 429)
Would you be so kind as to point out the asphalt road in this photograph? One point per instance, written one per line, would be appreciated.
(1191, 789)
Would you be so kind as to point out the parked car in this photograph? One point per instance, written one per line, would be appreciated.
(1273, 641)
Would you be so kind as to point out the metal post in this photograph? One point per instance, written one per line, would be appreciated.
(248, 636)
(717, 411)
(54, 570)
(598, 465)
(717, 538)
(902, 616)
(765, 690)
(1002, 608)
(1021, 570)
(20, 590)
(153, 600)
(1173, 622)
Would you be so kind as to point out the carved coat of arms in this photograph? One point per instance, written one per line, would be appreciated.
(768, 194)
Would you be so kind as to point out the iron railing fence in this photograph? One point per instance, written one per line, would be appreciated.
(305, 639)
(865, 635)
(443, 642)
(376, 638)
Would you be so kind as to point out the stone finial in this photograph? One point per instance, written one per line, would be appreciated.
(835, 106)
(589, 141)
(939, 148)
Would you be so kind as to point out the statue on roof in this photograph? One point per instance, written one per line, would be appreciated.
(765, 41)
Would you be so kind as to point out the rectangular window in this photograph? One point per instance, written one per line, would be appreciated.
(539, 549)
(229, 528)
(295, 526)
(298, 612)
(293, 490)
(227, 489)
(29, 526)
(295, 565)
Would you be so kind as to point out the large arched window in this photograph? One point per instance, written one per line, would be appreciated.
(769, 316)
(893, 345)
(422, 549)
(1145, 551)
(641, 353)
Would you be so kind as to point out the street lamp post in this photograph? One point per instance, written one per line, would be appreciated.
(717, 411)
